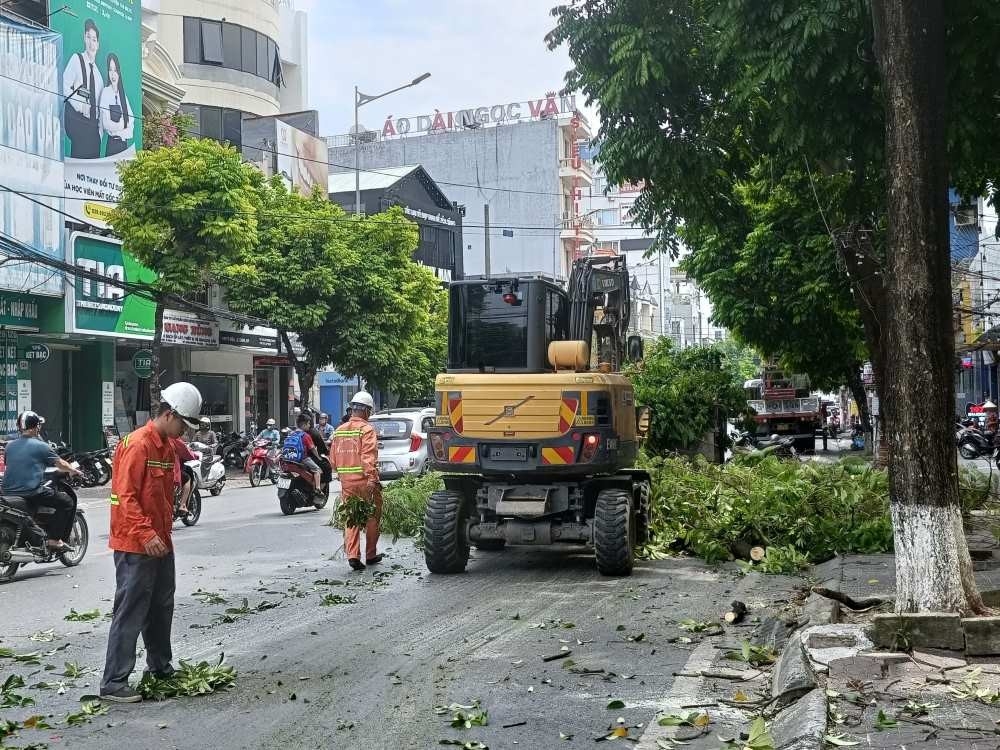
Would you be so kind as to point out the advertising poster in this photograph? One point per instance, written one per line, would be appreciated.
(101, 84)
(30, 153)
(301, 158)
(96, 307)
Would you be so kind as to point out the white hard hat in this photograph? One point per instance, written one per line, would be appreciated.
(185, 400)
(363, 398)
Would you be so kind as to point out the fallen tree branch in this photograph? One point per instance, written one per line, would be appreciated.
(847, 601)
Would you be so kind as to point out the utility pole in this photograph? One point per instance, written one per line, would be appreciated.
(486, 234)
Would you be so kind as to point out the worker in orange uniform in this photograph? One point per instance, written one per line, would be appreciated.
(354, 456)
(142, 517)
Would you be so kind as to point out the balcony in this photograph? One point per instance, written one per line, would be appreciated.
(574, 168)
(577, 227)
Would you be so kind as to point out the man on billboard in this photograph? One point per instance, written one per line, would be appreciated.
(82, 87)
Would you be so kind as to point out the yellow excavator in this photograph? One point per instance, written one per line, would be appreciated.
(536, 431)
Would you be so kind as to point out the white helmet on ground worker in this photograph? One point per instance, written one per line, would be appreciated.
(363, 398)
(185, 400)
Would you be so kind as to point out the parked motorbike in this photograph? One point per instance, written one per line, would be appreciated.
(263, 462)
(19, 524)
(96, 467)
(234, 450)
(748, 442)
(296, 489)
(209, 469)
(194, 501)
(974, 443)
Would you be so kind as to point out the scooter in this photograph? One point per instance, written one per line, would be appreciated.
(209, 469)
(296, 488)
(19, 531)
(263, 462)
(194, 500)
(96, 467)
(234, 449)
(775, 444)
(973, 443)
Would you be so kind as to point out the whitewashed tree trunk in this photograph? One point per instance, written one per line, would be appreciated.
(933, 569)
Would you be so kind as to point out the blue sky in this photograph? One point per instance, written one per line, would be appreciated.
(479, 52)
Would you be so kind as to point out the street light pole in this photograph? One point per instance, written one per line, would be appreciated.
(361, 100)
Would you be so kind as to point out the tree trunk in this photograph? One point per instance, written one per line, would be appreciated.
(933, 567)
(860, 395)
(154, 377)
(305, 372)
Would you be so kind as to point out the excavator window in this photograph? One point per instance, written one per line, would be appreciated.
(486, 331)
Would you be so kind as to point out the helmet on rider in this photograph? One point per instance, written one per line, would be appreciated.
(324, 415)
(271, 423)
(205, 423)
(28, 420)
(185, 401)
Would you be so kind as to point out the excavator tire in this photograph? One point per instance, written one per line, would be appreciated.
(446, 547)
(614, 533)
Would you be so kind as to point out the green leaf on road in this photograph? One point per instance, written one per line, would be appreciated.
(838, 740)
(90, 614)
(615, 705)
(883, 722)
(88, 710)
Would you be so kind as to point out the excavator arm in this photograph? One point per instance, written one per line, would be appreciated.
(600, 307)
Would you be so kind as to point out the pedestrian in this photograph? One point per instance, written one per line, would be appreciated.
(142, 515)
(354, 456)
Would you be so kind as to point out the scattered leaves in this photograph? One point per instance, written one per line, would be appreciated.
(695, 719)
(90, 614)
(88, 710)
(330, 600)
(757, 656)
(189, 680)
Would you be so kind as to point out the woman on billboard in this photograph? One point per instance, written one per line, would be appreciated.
(116, 112)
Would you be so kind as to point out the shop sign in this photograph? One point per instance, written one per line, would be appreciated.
(31, 152)
(18, 310)
(271, 361)
(252, 340)
(494, 114)
(187, 329)
(101, 121)
(37, 353)
(142, 363)
(99, 307)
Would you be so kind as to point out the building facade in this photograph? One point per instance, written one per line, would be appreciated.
(515, 167)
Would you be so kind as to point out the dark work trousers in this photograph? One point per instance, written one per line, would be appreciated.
(55, 509)
(144, 603)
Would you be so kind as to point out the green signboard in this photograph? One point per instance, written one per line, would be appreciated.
(101, 74)
(142, 363)
(102, 308)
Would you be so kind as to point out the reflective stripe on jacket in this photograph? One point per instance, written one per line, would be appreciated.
(142, 491)
(354, 452)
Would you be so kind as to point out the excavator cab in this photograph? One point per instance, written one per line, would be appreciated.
(536, 431)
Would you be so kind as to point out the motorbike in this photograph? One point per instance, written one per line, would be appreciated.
(973, 443)
(20, 543)
(208, 469)
(296, 489)
(263, 462)
(194, 501)
(234, 450)
(748, 442)
(96, 467)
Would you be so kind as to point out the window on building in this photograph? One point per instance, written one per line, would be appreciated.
(211, 42)
(248, 53)
(217, 123)
(272, 55)
(232, 127)
(675, 327)
(232, 46)
(607, 217)
(192, 40)
(211, 123)
(718, 334)
(262, 56)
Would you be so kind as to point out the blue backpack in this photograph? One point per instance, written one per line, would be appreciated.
(294, 449)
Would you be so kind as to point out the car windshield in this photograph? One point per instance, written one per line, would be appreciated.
(392, 429)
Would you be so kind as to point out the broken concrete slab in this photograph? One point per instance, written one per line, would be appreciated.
(865, 666)
(820, 610)
(940, 662)
(774, 632)
(792, 676)
(982, 636)
(802, 725)
(920, 630)
(840, 641)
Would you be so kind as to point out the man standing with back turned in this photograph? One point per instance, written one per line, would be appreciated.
(142, 517)
(354, 456)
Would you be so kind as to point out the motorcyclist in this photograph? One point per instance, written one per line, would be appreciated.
(324, 427)
(321, 448)
(27, 458)
(205, 433)
(270, 432)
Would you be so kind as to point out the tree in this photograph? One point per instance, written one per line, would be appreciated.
(384, 311)
(299, 274)
(185, 212)
(934, 570)
(685, 388)
(710, 99)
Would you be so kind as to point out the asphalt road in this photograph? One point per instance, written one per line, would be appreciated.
(369, 674)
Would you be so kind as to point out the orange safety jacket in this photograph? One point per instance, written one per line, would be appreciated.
(354, 454)
(142, 491)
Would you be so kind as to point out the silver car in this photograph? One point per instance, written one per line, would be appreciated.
(402, 441)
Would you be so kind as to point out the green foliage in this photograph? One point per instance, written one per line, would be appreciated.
(404, 502)
(187, 211)
(683, 387)
(792, 508)
(354, 512)
(189, 679)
